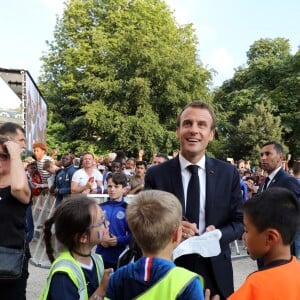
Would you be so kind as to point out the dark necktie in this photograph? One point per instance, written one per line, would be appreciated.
(266, 183)
(193, 196)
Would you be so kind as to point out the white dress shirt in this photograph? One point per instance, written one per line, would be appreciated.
(186, 175)
(272, 175)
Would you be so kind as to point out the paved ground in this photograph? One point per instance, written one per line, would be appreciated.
(242, 267)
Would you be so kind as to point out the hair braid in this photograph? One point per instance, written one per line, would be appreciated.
(47, 238)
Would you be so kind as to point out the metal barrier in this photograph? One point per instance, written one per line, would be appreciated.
(41, 211)
(238, 249)
(100, 198)
(44, 208)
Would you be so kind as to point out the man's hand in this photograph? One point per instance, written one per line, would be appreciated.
(211, 228)
(189, 229)
(207, 296)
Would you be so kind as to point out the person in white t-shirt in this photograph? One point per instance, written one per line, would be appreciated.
(87, 180)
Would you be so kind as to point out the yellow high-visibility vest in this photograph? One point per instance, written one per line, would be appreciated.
(169, 286)
(67, 264)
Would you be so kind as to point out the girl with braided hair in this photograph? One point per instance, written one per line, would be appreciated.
(77, 273)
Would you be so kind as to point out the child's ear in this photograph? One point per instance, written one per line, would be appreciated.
(177, 236)
(273, 236)
(84, 238)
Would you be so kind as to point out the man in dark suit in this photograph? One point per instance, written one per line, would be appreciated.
(220, 196)
(271, 159)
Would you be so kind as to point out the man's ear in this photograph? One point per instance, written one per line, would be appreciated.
(177, 132)
(281, 158)
(212, 135)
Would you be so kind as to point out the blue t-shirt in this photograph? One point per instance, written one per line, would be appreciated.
(133, 279)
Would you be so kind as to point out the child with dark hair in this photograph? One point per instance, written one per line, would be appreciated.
(112, 246)
(271, 220)
(77, 273)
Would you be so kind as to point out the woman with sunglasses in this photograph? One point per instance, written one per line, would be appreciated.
(14, 199)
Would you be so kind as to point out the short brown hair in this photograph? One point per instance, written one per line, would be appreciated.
(201, 105)
(153, 217)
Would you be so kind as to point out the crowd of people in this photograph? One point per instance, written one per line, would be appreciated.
(176, 198)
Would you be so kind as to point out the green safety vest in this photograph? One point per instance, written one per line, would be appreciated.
(170, 286)
(67, 264)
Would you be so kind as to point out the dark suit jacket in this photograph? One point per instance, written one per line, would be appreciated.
(222, 208)
(285, 180)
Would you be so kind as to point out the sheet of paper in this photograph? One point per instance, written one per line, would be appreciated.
(207, 245)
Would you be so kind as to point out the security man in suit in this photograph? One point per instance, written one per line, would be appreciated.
(271, 159)
(218, 204)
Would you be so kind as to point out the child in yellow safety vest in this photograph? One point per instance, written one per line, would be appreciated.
(77, 273)
(154, 218)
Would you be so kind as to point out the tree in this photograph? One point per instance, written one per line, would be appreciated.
(117, 74)
(267, 50)
(271, 76)
(257, 128)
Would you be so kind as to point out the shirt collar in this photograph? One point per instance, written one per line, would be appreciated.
(184, 163)
(273, 174)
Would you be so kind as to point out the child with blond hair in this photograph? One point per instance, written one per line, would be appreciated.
(154, 218)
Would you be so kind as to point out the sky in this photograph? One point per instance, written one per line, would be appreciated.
(225, 29)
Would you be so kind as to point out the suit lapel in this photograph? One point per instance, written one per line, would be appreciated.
(273, 181)
(276, 178)
(210, 186)
(262, 185)
(177, 181)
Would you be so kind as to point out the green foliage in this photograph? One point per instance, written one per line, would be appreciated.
(261, 102)
(117, 74)
(257, 128)
(268, 50)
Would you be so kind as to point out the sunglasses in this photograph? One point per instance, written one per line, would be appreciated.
(102, 223)
(3, 156)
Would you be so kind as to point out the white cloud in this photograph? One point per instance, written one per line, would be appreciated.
(55, 6)
(222, 62)
(180, 11)
(206, 34)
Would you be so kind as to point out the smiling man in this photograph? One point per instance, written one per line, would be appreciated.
(218, 200)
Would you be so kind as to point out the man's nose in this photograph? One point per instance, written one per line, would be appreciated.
(194, 127)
